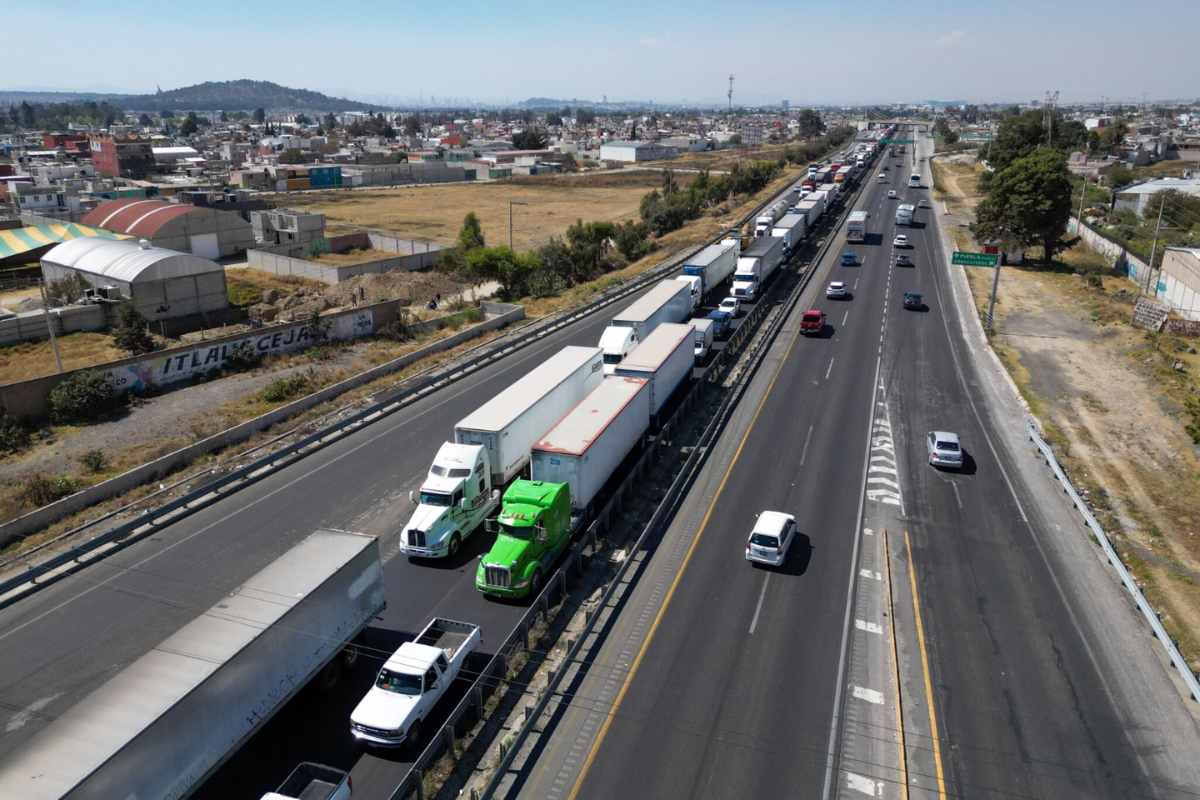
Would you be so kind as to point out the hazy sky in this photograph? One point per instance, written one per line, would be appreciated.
(804, 51)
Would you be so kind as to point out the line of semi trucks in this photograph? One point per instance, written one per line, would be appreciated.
(541, 452)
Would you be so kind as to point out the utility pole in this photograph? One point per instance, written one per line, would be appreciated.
(1158, 227)
(1079, 217)
(730, 94)
(512, 203)
(50, 326)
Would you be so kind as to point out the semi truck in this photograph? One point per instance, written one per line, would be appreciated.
(856, 227)
(585, 448)
(811, 209)
(532, 531)
(664, 360)
(767, 219)
(164, 724)
(755, 265)
(695, 289)
(713, 264)
(668, 301)
(791, 230)
(311, 781)
(904, 214)
(411, 682)
(491, 447)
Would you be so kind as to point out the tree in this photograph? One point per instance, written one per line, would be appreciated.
(330, 122)
(1112, 137)
(810, 123)
(590, 244)
(470, 235)
(1028, 203)
(1118, 176)
(529, 139)
(1179, 209)
(224, 117)
(293, 156)
(83, 396)
(188, 127)
(585, 116)
(302, 119)
(511, 270)
(260, 116)
(144, 120)
(1018, 136)
(569, 164)
(970, 114)
(130, 334)
(553, 119)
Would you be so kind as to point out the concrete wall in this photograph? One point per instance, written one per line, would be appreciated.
(279, 264)
(31, 326)
(1123, 261)
(1178, 282)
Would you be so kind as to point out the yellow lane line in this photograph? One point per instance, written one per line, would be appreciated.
(887, 569)
(937, 750)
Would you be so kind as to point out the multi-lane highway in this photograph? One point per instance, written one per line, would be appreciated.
(721, 679)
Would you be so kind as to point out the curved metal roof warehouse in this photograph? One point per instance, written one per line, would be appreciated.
(127, 262)
(202, 231)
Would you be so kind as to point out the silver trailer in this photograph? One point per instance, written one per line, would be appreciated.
(165, 723)
(509, 423)
(664, 360)
(668, 301)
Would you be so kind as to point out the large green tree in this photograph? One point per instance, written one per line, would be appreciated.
(810, 123)
(470, 235)
(529, 139)
(1018, 136)
(1180, 211)
(1028, 203)
(513, 271)
(131, 334)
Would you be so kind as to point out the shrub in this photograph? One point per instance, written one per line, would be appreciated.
(399, 331)
(39, 490)
(84, 396)
(94, 461)
(242, 356)
(288, 387)
(131, 334)
(13, 435)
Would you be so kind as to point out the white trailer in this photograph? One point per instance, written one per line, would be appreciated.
(585, 448)
(791, 229)
(755, 265)
(665, 360)
(509, 423)
(713, 264)
(668, 301)
(811, 209)
(166, 722)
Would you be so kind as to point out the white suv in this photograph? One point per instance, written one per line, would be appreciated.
(771, 538)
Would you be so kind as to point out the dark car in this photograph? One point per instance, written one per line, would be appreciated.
(913, 301)
(722, 323)
(848, 260)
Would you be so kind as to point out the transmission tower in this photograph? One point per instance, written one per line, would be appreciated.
(730, 94)
(1048, 115)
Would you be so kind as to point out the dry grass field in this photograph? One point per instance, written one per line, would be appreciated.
(26, 360)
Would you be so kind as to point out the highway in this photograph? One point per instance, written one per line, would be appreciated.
(68, 639)
(717, 678)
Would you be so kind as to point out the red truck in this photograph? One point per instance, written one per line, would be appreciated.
(813, 323)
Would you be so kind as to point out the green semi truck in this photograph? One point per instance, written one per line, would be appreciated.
(533, 529)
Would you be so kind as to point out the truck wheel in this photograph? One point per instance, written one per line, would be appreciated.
(331, 675)
(455, 542)
(350, 656)
(535, 583)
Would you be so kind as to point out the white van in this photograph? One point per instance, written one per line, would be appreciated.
(881, 179)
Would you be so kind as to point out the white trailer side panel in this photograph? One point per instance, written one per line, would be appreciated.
(510, 423)
(664, 360)
(166, 722)
(668, 301)
(587, 446)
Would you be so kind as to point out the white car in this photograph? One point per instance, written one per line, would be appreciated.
(944, 449)
(900, 241)
(922, 203)
(891, 194)
(730, 305)
(836, 290)
(771, 538)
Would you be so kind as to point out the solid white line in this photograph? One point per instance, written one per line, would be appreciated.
(845, 317)
(804, 452)
(762, 594)
(957, 497)
(829, 370)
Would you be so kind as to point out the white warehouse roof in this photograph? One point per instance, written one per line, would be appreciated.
(129, 262)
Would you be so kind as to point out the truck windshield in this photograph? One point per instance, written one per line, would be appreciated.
(450, 472)
(612, 358)
(398, 682)
(522, 532)
(435, 499)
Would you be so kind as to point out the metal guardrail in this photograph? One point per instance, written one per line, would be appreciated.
(1160, 633)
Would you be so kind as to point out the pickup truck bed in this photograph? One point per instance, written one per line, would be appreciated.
(447, 635)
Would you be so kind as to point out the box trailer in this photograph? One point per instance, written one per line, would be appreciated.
(791, 229)
(811, 209)
(585, 448)
(668, 301)
(509, 423)
(664, 360)
(713, 264)
(166, 722)
(755, 265)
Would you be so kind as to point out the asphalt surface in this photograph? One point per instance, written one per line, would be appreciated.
(738, 689)
(68, 639)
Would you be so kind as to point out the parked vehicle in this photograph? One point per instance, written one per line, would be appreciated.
(211, 685)
(722, 323)
(773, 533)
(713, 264)
(791, 229)
(755, 265)
(856, 226)
(703, 337)
(311, 781)
(944, 449)
(465, 481)
(411, 682)
(732, 305)
(813, 323)
(532, 531)
(664, 361)
(668, 301)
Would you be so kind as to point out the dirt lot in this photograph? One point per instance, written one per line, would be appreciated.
(436, 212)
(1113, 401)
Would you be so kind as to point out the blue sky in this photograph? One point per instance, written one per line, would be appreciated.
(805, 51)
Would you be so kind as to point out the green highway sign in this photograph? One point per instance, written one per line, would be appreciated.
(895, 141)
(964, 259)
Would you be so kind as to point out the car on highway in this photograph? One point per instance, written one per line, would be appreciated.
(885, 166)
(848, 260)
(772, 536)
(902, 260)
(722, 323)
(813, 323)
(836, 291)
(731, 306)
(922, 203)
(944, 449)
(900, 241)
(913, 301)
(891, 194)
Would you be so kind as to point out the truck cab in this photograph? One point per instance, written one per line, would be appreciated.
(533, 528)
(695, 289)
(455, 499)
(617, 342)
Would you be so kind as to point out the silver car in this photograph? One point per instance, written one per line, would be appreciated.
(944, 449)
(772, 536)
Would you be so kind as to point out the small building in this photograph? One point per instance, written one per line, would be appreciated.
(201, 231)
(172, 155)
(162, 284)
(632, 152)
(287, 226)
(122, 156)
(1136, 197)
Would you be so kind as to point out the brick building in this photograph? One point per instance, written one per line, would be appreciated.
(122, 156)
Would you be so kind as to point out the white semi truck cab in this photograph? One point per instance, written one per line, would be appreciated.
(617, 342)
(455, 499)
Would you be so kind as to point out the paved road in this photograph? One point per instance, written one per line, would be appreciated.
(741, 682)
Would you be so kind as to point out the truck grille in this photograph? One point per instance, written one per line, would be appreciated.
(416, 538)
(498, 577)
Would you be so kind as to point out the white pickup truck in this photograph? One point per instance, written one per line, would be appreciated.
(313, 782)
(412, 681)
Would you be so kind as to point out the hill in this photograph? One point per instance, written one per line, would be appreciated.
(243, 95)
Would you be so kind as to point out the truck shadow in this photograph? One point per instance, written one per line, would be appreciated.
(476, 545)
